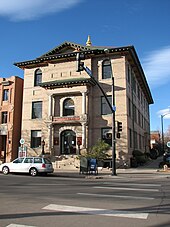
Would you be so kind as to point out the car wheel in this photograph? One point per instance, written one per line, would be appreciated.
(5, 170)
(33, 172)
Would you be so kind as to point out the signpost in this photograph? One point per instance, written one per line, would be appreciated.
(168, 144)
(22, 152)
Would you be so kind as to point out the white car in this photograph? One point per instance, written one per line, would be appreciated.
(31, 165)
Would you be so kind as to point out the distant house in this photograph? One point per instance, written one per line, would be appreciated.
(66, 110)
(11, 93)
(155, 137)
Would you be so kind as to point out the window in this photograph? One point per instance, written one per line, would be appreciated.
(37, 77)
(129, 74)
(4, 117)
(105, 108)
(135, 140)
(35, 138)
(106, 69)
(36, 110)
(37, 160)
(107, 135)
(134, 113)
(130, 138)
(129, 108)
(28, 160)
(5, 94)
(68, 107)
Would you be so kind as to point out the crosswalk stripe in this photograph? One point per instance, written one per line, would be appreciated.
(96, 211)
(133, 184)
(17, 225)
(130, 189)
(116, 196)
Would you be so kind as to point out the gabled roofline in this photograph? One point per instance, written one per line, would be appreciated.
(66, 44)
(90, 52)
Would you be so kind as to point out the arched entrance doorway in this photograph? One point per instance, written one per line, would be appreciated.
(68, 142)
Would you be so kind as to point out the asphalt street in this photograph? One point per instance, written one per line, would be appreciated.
(139, 197)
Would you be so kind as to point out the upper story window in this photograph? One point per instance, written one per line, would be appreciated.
(129, 74)
(106, 69)
(105, 108)
(6, 95)
(68, 107)
(37, 77)
(36, 110)
(4, 117)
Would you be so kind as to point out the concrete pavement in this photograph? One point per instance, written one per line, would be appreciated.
(150, 168)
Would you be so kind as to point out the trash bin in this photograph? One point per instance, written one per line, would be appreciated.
(84, 165)
(88, 165)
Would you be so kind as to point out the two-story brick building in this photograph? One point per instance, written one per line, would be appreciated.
(67, 111)
(11, 93)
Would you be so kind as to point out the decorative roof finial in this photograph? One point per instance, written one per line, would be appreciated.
(88, 43)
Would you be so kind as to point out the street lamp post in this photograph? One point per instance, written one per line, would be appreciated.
(162, 127)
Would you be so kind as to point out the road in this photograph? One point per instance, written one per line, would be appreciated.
(142, 201)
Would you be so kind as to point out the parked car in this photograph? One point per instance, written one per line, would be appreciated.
(31, 165)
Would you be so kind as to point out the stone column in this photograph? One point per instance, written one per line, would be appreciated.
(84, 103)
(51, 106)
(50, 136)
(84, 111)
(84, 135)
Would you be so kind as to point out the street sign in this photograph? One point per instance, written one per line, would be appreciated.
(22, 141)
(168, 144)
(114, 108)
(22, 152)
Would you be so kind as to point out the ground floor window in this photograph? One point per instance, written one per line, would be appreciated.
(35, 138)
(106, 135)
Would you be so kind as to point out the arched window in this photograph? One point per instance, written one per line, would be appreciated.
(68, 107)
(37, 77)
(106, 69)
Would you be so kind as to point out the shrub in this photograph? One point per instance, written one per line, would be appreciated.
(98, 151)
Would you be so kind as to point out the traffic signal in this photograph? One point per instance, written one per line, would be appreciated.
(108, 135)
(80, 64)
(119, 126)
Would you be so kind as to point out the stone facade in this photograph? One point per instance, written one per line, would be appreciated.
(11, 91)
(74, 113)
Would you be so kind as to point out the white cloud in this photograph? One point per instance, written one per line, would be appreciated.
(165, 113)
(20, 10)
(157, 67)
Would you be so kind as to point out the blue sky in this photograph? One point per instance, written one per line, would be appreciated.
(30, 28)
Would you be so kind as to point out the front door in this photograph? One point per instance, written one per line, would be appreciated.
(68, 142)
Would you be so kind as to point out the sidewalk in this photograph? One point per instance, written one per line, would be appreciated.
(150, 168)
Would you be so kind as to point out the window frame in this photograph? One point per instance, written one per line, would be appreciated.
(106, 69)
(5, 94)
(36, 140)
(105, 109)
(37, 77)
(36, 109)
(104, 131)
(70, 110)
(4, 117)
